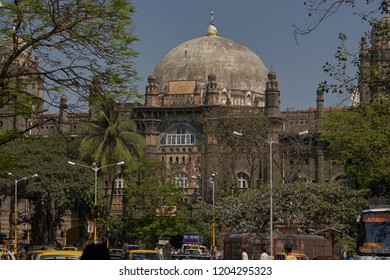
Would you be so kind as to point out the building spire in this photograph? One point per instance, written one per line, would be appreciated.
(212, 30)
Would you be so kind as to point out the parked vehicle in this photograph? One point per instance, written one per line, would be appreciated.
(299, 255)
(7, 256)
(60, 255)
(34, 254)
(128, 247)
(70, 248)
(191, 253)
(115, 254)
(373, 242)
(142, 255)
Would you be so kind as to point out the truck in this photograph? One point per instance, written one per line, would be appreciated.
(373, 230)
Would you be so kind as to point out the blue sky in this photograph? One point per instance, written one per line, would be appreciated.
(264, 26)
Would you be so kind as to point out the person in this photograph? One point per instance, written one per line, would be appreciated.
(244, 255)
(95, 251)
(288, 252)
(264, 255)
(349, 255)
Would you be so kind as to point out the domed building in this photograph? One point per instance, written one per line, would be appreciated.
(182, 76)
(211, 81)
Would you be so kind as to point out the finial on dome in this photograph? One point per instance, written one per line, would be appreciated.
(212, 30)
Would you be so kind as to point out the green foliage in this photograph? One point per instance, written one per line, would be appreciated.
(62, 46)
(360, 138)
(153, 205)
(310, 206)
(109, 139)
(344, 69)
(55, 189)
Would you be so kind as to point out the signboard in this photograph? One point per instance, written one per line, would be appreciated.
(181, 87)
(166, 211)
(90, 227)
(193, 238)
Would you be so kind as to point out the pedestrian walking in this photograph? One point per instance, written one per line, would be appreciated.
(264, 255)
(288, 250)
(244, 255)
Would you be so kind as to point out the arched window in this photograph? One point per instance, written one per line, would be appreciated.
(180, 137)
(248, 99)
(224, 97)
(181, 181)
(242, 180)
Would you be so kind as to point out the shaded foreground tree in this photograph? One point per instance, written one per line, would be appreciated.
(51, 194)
(359, 138)
(63, 45)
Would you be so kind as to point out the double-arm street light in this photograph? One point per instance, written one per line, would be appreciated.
(16, 208)
(95, 168)
(270, 142)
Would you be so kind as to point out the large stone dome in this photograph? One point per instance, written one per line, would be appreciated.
(236, 67)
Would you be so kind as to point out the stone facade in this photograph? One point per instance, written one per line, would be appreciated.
(184, 95)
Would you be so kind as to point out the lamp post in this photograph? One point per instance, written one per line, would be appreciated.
(16, 208)
(95, 168)
(211, 180)
(270, 142)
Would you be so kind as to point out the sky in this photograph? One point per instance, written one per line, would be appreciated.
(264, 26)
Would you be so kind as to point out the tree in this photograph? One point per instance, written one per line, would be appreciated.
(153, 204)
(109, 138)
(320, 10)
(346, 80)
(359, 138)
(228, 149)
(309, 206)
(52, 193)
(60, 47)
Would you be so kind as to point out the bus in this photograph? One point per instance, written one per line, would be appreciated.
(373, 242)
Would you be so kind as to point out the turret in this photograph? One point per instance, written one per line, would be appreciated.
(151, 93)
(272, 96)
(320, 101)
(212, 95)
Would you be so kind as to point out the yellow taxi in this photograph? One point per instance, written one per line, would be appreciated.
(299, 255)
(142, 255)
(34, 254)
(69, 248)
(6, 254)
(60, 255)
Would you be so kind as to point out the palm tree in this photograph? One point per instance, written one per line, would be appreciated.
(108, 138)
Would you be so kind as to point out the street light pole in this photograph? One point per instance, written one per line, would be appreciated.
(211, 180)
(270, 142)
(16, 208)
(96, 169)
